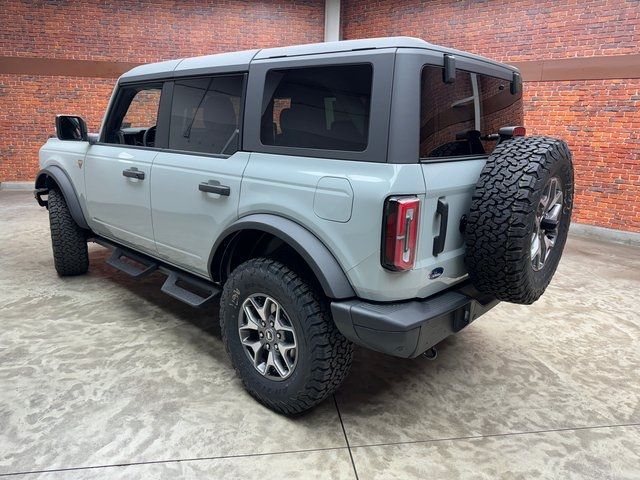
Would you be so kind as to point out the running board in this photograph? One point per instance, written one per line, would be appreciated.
(180, 285)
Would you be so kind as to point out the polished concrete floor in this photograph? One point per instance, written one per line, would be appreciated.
(104, 377)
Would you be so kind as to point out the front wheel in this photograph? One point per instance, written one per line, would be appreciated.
(281, 338)
(68, 240)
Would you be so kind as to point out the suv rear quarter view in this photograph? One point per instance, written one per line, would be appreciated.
(379, 192)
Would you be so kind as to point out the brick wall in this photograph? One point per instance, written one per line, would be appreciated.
(600, 119)
(137, 31)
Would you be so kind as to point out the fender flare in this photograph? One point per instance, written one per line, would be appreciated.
(53, 174)
(326, 268)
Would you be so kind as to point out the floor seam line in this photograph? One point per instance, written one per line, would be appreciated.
(493, 435)
(346, 439)
(174, 460)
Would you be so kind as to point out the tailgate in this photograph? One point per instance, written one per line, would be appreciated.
(449, 188)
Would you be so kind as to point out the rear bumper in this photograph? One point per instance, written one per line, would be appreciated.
(407, 329)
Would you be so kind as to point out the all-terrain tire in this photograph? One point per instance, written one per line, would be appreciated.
(323, 355)
(70, 254)
(504, 217)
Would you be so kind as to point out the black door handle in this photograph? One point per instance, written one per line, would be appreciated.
(133, 173)
(214, 188)
(438, 240)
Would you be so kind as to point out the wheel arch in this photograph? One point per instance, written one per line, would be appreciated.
(310, 249)
(54, 176)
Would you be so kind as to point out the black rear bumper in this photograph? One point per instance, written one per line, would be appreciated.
(407, 329)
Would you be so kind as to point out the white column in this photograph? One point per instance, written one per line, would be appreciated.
(331, 20)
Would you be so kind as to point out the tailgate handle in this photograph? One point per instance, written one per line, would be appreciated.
(438, 241)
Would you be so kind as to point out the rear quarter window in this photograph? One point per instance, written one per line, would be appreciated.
(456, 118)
(325, 108)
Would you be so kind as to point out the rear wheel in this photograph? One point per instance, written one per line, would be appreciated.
(68, 240)
(281, 338)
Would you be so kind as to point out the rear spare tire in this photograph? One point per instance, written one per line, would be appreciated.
(519, 218)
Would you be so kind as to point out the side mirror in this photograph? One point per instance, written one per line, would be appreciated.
(71, 127)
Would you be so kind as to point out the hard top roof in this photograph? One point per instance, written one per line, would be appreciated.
(239, 61)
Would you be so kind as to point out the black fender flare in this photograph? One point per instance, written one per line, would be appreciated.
(54, 175)
(326, 268)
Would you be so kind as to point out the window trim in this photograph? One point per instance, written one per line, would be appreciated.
(381, 61)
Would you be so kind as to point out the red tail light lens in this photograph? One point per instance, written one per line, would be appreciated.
(400, 232)
(519, 132)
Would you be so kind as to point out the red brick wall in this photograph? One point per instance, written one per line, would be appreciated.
(138, 31)
(27, 110)
(505, 30)
(600, 119)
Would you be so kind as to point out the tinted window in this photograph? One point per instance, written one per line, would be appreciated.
(457, 117)
(317, 107)
(134, 117)
(205, 114)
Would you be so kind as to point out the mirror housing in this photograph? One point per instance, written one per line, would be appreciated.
(72, 128)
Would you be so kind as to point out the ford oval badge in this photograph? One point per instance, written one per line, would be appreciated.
(435, 273)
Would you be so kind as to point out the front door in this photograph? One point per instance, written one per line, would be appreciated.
(195, 190)
(118, 168)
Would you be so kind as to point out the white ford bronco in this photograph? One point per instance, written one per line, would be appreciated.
(379, 192)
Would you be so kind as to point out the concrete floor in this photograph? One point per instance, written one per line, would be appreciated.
(105, 377)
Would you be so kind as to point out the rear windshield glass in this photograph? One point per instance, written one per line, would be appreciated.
(457, 117)
(317, 107)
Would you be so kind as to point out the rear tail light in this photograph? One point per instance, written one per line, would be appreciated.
(400, 232)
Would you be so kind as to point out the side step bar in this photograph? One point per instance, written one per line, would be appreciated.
(180, 285)
(115, 260)
(190, 297)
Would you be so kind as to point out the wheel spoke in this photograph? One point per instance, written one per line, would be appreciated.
(554, 213)
(549, 242)
(254, 345)
(557, 199)
(551, 192)
(284, 352)
(252, 322)
(535, 249)
(543, 247)
(278, 322)
(281, 368)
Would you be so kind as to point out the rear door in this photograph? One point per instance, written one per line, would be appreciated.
(196, 182)
(118, 168)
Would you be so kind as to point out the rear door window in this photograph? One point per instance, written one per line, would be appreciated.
(205, 115)
(317, 107)
(456, 118)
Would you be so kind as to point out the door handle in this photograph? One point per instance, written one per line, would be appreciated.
(133, 172)
(211, 187)
(438, 240)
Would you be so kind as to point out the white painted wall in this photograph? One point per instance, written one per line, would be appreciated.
(331, 20)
